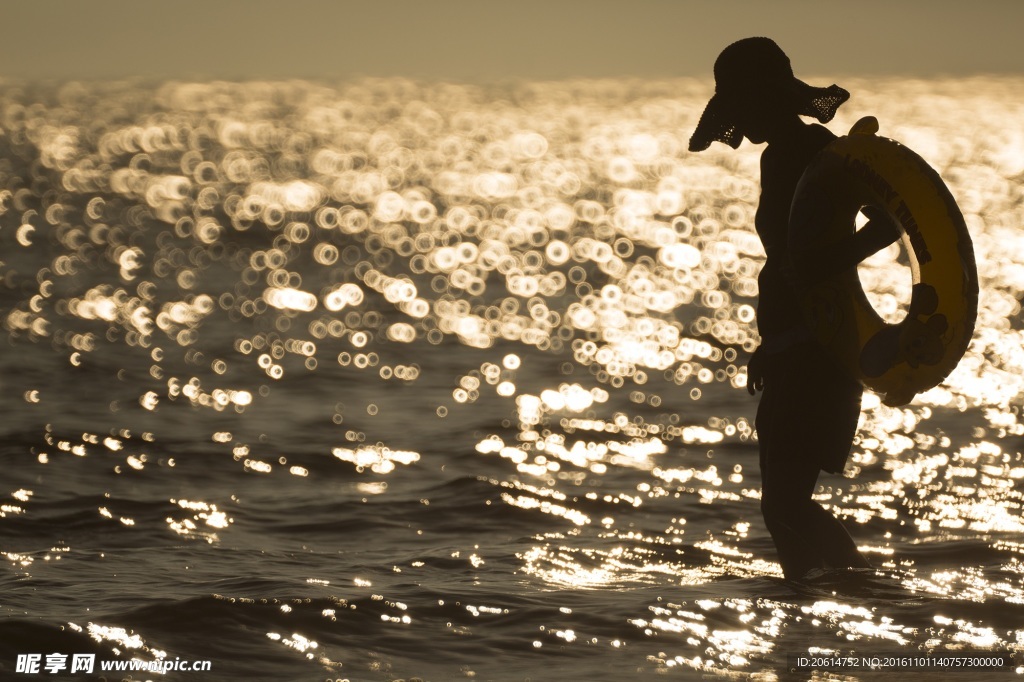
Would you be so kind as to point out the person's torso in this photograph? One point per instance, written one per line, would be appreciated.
(778, 308)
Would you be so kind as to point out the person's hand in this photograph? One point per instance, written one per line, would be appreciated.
(876, 214)
(879, 232)
(755, 371)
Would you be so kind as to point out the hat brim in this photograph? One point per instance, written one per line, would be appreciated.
(718, 123)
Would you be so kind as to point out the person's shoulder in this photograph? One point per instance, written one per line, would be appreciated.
(812, 136)
(813, 139)
(819, 135)
(795, 152)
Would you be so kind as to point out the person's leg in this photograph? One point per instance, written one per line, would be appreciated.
(836, 413)
(779, 491)
(805, 534)
(789, 513)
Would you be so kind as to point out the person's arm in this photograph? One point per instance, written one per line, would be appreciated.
(879, 232)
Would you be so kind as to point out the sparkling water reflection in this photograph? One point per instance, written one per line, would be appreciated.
(441, 381)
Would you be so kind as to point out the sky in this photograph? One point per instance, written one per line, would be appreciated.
(492, 40)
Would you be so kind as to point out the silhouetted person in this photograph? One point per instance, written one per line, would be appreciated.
(810, 405)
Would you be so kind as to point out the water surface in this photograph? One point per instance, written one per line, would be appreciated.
(389, 380)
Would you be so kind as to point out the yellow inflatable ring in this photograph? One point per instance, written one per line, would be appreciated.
(897, 360)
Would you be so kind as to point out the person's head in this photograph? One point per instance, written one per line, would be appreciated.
(756, 93)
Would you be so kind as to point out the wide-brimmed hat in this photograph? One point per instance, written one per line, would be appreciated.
(759, 67)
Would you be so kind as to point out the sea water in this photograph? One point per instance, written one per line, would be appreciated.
(391, 380)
